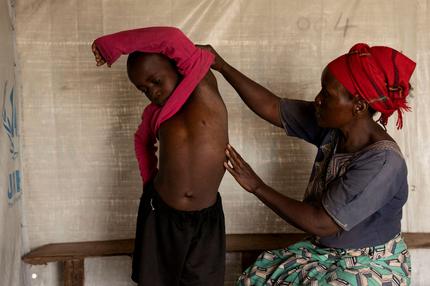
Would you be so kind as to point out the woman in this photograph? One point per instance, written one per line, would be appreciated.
(358, 186)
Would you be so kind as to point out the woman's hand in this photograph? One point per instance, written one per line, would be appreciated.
(241, 171)
(311, 219)
(219, 62)
(99, 59)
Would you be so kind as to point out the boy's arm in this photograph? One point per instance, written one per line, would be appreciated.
(144, 145)
(259, 99)
(146, 158)
(168, 41)
(99, 58)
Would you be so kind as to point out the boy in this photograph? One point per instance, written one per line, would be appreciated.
(180, 236)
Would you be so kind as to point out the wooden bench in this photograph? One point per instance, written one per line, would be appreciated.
(72, 254)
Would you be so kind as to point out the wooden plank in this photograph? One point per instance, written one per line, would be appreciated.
(255, 242)
(235, 243)
(417, 239)
(66, 251)
(252, 242)
(74, 272)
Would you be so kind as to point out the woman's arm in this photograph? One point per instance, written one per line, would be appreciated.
(259, 99)
(304, 216)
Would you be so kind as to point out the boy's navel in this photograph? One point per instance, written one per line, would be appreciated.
(188, 194)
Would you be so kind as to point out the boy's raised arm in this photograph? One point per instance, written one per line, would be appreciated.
(169, 41)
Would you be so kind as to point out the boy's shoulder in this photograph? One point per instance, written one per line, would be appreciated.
(209, 81)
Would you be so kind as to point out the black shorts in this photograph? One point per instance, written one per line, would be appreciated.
(175, 247)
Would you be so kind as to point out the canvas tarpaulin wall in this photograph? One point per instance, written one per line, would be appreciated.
(10, 170)
(81, 178)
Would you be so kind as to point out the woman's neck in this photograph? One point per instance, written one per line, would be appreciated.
(360, 134)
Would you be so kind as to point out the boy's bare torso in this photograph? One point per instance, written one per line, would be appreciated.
(191, 150)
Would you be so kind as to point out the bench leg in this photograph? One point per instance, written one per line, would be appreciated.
(74, 272)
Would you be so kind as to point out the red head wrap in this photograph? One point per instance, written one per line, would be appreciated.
(380, 75)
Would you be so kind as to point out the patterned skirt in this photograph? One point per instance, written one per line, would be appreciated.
(305, 263)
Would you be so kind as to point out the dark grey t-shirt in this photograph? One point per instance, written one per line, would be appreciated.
(363, 192)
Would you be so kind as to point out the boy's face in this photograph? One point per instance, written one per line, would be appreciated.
(155, 76)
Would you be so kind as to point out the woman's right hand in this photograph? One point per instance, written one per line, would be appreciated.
(219, 62)
(241, 171)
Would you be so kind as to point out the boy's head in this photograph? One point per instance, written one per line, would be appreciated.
(153, 74)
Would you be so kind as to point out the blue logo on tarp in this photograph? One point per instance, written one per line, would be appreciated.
(10, 124)
(9, 118)
(14, 186)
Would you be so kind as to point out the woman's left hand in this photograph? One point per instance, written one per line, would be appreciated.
(219, 62)
(241, 171)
